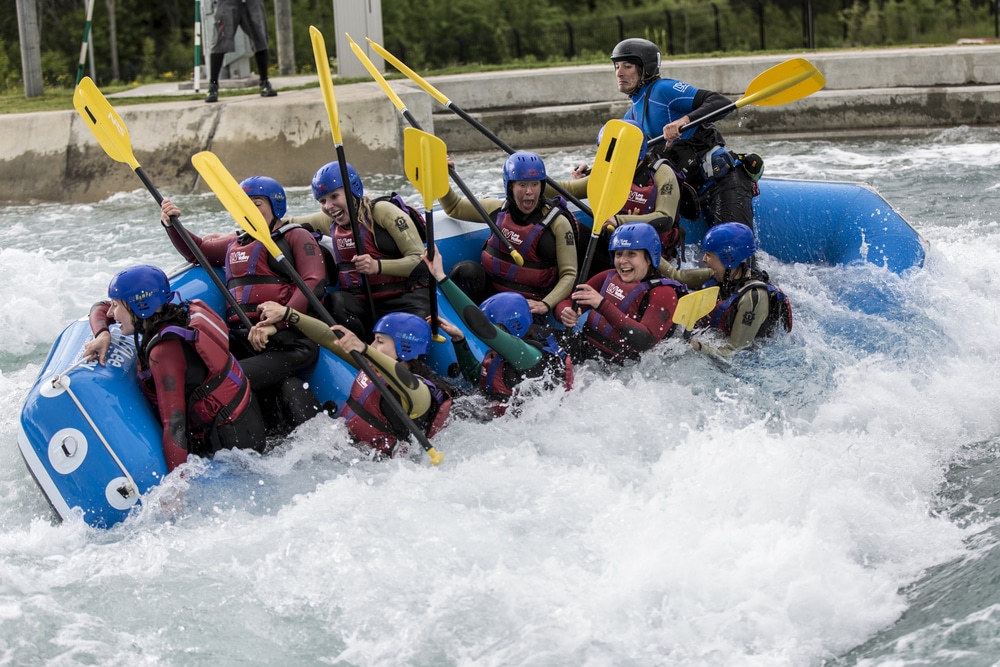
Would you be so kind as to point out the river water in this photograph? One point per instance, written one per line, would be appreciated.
(829, 499)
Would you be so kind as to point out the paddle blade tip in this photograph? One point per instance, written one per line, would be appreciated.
(436, 456)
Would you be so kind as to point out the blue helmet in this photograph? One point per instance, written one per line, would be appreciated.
(630, 121)
(732, 242)
(411, 333)
(328, 178)
(144, 288)
(263, 186)
(509, 309)
(523, 166)
(637, 235)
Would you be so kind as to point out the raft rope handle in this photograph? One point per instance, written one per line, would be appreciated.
(131, 487)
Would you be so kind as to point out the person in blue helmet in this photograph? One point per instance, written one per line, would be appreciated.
(271, 356)
(389, 258)
(519, 348)
(542, 231)
(630, 308)
(749, 306)
(400, 342)
(185, 369)
(726, 182)
(656, 198)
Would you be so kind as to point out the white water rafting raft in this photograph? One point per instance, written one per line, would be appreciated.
(92, 441)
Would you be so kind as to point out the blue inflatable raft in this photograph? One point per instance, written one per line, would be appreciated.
(92, 441)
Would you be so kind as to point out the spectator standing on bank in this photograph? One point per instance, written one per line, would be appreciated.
(251, 16)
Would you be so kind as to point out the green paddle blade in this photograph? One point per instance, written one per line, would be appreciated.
(426, 161)
(105, 123)
(236, 201)
(694, 306)
(613, 170)
(785, 82)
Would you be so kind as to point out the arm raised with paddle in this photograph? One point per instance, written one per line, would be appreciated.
(326, 86)
(785, 82)
(110, 131)
(681, 113)
(246, 214)
(398, 102)
(440, 97)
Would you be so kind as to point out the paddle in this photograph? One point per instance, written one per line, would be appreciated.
(326, 85)
(246, 214)
(611, 178)
(694, 306)
(391, 94)
(110, 131)
(785, 82)
(440, 97)
(426, 161)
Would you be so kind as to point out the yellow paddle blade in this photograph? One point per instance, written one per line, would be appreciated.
(105, 123)
(236, 201)
(786, 82)
(426, 160)
(613, 170)
(694, 306)
(413, 76)
(379, 79)
(325, 81)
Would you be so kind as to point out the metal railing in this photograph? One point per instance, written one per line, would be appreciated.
(718, 27)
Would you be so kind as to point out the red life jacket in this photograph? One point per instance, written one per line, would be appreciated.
(537, 277)
(630, 298)
(641, 198)
(368, 424)
(350, 279)
(498, 377)
(225, 391)
(253, 277)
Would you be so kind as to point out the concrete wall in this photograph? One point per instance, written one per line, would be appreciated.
(52, 156)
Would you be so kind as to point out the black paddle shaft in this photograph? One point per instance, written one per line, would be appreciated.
(359, 359)
(196, 251)
(352, 212)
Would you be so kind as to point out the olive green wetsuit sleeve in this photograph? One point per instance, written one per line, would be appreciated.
(397, 223)
(460, 208)
(318, 222)
(752, 310)
(693, 278)
(576, 187)
(413, 394)
(565, 261)
(668, 199)
(518, 353)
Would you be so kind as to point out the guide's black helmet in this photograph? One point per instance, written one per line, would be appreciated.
(643, 53)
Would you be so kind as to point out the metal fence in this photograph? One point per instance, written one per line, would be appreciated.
(718, 27)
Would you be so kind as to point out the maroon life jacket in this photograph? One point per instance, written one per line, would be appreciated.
(253, 277)
(536, 277)
(498, 377)
(368, 424)
(379, 245)
(630, 298)
(225, 391)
